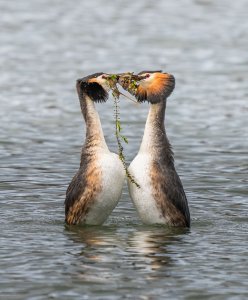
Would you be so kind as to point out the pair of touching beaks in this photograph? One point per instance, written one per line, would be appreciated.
(151, 86)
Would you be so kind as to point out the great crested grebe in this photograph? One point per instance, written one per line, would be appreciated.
(160, 198)
(96, 188)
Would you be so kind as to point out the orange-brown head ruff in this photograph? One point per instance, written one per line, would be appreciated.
(154, 87)
(93, 87)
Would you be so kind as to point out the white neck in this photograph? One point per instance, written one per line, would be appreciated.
(154, 128)
(94, 132)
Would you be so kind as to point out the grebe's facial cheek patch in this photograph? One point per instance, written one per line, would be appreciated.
(101, 79)
(146, 80)
(104, 81)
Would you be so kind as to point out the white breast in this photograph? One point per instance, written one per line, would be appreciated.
(142, 197)
(113, 177)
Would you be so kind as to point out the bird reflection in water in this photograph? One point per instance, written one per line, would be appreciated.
(151, 248)
(110, 249)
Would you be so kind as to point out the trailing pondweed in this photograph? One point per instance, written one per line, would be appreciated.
(112, 82)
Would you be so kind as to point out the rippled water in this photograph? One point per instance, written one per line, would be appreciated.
(45, 47)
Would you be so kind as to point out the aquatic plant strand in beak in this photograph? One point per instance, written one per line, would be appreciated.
(112, 80)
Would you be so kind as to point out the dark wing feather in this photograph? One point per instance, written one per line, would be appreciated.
(169, 183)
(75, 191)
(73, 194)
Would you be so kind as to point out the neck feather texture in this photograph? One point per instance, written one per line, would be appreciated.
(94, 133)
(155, 140)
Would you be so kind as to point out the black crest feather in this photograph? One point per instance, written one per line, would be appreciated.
(144, 72)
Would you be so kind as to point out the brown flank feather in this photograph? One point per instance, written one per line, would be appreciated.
(83, 190)
(169, 195)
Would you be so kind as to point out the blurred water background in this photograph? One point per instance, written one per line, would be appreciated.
(44, 47)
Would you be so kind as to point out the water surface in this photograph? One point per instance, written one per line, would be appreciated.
(45, 47)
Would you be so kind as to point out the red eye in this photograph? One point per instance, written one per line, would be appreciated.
(147, 75)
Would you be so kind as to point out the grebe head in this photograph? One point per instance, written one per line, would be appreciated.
(154, 86)
(151, 86)
(95, 86)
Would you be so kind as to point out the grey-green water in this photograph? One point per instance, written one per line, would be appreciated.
(45, 47)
